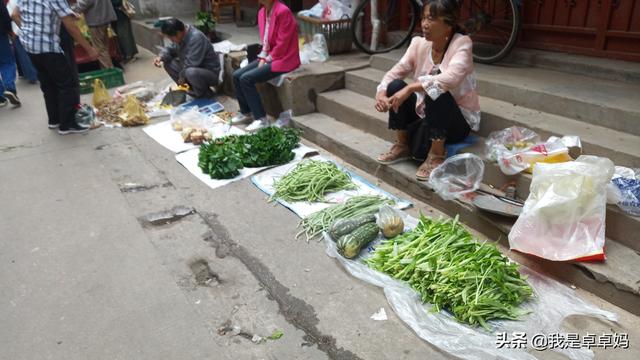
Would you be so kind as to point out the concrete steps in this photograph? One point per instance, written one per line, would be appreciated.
(622, 148)
(616, 280)
(357, 111)
(605, 103)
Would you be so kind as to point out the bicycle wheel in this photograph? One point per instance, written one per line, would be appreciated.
(396, 20)
(493, 25)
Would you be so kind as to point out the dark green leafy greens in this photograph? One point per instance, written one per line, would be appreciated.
(223, 158)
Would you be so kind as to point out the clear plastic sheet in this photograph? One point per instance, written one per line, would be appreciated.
(552, 303)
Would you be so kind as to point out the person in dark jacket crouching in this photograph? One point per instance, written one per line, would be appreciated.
(190, 59)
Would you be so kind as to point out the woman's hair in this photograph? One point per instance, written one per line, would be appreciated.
(171, 27)
(448, 10)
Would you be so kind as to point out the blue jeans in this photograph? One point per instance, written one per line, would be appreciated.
(245, 81)
(22, 59)
(7, 66)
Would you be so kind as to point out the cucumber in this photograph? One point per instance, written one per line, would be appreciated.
(350, 245)
(343, 227)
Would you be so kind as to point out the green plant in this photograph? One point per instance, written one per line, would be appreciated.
(205, 22)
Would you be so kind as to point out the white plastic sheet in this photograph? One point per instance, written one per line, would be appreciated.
(552, 303)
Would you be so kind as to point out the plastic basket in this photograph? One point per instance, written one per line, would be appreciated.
(110, 77)
(336, 32)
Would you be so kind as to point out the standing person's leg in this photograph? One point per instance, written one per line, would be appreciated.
(28, 71)
(8, 71)
(126, 41)
(200, 81)
(248, 82)
(48, 87)
(56, 68)
(400, 121)
(100, 40)
(446, 124)
(68, 47)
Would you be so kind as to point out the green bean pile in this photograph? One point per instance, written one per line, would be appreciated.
(452, 271)
(310, 180)
(314, 224)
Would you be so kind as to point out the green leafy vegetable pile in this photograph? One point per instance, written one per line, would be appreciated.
(310, 180)
(223, 158)
(452, 271)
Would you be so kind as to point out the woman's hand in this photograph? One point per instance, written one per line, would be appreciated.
(261, 63)
(399, 98)
(382, 102)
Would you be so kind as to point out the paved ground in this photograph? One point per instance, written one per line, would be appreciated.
(83, 276)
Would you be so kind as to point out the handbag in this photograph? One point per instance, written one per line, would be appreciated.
(128, 8)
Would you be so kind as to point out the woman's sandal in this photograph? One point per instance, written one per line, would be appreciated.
(395, 154)
(425, 169)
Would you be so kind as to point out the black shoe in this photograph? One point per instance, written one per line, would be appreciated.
(54, 126)
(74, 129)
(12, 97)
(3, 102)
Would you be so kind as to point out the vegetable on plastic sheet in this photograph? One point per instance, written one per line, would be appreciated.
(554, 150)
(310, 180)
(458, 175)
(563, 218)
(552, 303)
(511, 139)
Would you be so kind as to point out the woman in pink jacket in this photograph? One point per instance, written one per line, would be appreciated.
(280, 54)
(441, 105)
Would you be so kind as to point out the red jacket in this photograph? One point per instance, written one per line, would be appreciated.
(282, 37)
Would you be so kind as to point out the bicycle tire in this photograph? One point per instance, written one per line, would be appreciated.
(360, 11)
(511, 42)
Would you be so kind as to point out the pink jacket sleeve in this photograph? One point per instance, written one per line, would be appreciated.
(404, 67)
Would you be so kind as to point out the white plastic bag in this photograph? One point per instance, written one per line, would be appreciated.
(510, 139)
(564, 216)
(335, 10)
(625, 186)
(458, 175)
(316, 51)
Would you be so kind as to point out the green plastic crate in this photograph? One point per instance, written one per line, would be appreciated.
(110, 77)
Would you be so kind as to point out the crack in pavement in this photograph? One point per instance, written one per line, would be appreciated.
(134, 187)
(296, 311)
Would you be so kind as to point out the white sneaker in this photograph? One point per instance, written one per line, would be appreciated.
(257, 125)
(241, 118)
